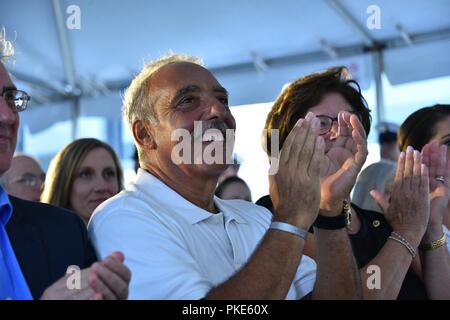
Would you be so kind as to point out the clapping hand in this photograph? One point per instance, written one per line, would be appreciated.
(295, 188)
(342, 163)
(106, 280)
(435, 157)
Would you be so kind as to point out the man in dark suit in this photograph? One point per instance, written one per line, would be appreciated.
(38, 242)
(44, 256)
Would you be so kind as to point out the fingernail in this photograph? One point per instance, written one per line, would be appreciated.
(423, 167)
(402, 154)
(409, 150)
(299, 122)
(416, 154)
(309, 116)
(108, 261)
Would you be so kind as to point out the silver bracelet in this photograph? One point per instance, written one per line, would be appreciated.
(395, 236)
(286, 227)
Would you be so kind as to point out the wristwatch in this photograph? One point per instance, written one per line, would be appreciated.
(338, 222)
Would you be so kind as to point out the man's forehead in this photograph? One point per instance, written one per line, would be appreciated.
(178, 74)
(24, 159)
(22, 162)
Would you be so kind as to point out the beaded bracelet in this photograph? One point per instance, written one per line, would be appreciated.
(396, 237)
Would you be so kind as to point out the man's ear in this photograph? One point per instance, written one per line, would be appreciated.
(143, 135)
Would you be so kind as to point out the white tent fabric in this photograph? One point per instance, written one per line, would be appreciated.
(254, 47)
(418, 62)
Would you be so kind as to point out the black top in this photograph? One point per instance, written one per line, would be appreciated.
(46, 240)
(366, 244)
(265, 202)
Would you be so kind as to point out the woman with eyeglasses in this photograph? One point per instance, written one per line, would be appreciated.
(384, 246)
(82, 175)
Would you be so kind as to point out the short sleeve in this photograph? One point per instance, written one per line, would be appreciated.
(160, 264)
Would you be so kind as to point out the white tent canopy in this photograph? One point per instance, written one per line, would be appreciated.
(254, 47)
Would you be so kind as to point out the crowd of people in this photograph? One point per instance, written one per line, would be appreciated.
(189, 229)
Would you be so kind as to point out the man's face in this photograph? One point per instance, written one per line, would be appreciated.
(181, 94)
(24, 178)
(9, 123)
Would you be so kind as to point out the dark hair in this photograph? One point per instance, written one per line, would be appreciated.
(387, 132)
(418, 129)
(305, 93)
(221, 187)
(387, 137)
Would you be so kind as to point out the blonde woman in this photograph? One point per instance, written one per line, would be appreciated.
(81, 176)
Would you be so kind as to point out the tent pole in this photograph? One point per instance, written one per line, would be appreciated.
(75, 114)
(347, 17)
(71, 89)
(114, 135)
(379, 95)
(64, 44)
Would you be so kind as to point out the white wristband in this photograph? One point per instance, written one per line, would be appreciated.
(286, 227)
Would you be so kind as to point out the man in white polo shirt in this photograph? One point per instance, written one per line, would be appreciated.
(182, 242)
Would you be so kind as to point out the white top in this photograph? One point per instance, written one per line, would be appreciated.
(447, 233)
(176, 250)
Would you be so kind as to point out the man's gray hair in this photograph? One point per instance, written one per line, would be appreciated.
(6, 47)
(136, 102)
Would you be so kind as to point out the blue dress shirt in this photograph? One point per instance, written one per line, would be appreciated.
(12, 282)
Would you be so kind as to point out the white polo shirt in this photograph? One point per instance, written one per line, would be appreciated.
(176, 250)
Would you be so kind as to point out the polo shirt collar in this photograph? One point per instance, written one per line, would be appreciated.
(221, 204)
(154, 187)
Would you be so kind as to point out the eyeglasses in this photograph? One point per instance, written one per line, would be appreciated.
(326, 122)
(30, 180)
(16, 99)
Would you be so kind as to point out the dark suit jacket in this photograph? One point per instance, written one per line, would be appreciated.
(46, 240)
